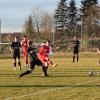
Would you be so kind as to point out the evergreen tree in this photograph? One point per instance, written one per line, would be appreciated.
(73, 17)
(87, 10)
(60, 18)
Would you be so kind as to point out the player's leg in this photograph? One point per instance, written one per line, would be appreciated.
(77, 57)
(32, 66)
(47, 58)
(74, 52)
(73, 57)
(45, 69)
(25, 73)
(19, 62)
(14, 57)
(44, 64)
(50, 62)
(26, 59)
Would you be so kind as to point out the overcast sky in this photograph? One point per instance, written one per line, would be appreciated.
(14, 12)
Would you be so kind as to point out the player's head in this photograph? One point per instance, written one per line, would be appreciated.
(48, 42)
(25, 37)
(16, 38)
(75, 38)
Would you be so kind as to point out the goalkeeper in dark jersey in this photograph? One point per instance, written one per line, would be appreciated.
(34, 60)
(15, 49)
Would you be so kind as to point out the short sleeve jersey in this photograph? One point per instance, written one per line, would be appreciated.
(24, 45)
(32, 53)
(15, 46)
(76, 44)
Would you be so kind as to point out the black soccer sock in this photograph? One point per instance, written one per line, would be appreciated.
(45, 70)
(14, 64)
(25, 73)
(99, 61)
(74, 58)
(19, 63)
(77, 58)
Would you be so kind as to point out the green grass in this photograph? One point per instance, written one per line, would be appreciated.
(68, 81)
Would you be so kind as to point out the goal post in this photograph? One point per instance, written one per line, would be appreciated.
(5, 50)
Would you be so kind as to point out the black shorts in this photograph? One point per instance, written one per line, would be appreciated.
(35, 62)
(16, 55)
(75, 51)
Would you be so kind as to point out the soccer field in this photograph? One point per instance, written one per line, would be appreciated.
(68, 81)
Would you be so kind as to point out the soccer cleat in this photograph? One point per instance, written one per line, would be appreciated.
(46, 75)
(54, 65)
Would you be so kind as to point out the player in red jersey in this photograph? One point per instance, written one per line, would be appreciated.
(25, 45)
(44, 53)
(48, 50)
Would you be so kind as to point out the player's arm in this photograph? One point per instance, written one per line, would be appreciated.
(72, 45)
(21, 42)
(28, 43)
(21, 48)
(28, 51)
(79, 45)
(11, 48)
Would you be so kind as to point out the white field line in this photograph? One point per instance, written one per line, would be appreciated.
(51, 90)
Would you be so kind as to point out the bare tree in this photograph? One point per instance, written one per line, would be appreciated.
(43, 22)
(36, 14)
(47, 25)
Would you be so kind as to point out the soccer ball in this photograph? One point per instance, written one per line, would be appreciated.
(90, 73)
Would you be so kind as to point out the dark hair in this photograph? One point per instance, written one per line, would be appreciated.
(25, 36)
(48, 41)
(16, 37)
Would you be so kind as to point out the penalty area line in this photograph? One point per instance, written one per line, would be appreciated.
(51, 90)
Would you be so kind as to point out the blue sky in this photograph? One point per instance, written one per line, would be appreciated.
(14, 12)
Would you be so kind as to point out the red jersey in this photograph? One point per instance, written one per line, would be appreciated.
(47, 50)
(43, 53)
(25, 45)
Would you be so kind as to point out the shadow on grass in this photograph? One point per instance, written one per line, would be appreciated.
(55, 75)
(52, 86)
(52, 76)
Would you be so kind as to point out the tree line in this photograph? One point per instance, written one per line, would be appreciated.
(66, 21)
